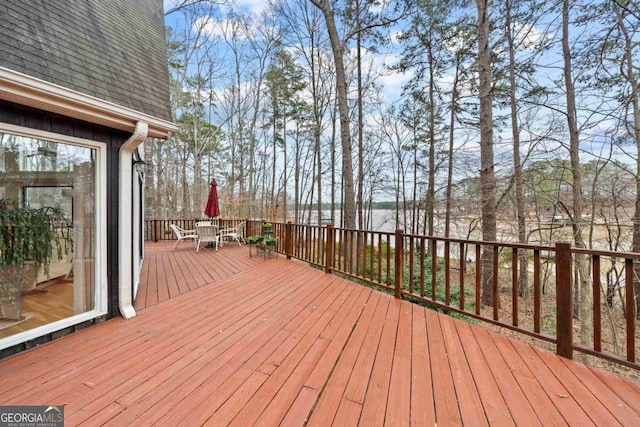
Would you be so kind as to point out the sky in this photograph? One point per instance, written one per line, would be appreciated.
(253, 6)
(390, 81)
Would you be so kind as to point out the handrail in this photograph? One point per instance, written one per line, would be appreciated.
(447, 274)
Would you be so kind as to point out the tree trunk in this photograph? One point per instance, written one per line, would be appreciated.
(523, 287)
(452, 122)
(343, 106)
(333, 169)
(186, 211)
(296, 178)
(160, 190)
(581, 261)
(431, 186)
(197, 180)
(397, 184)
(414, 190)
(252, 149)
(273, 171)
(630, 75)
(487, 173)
(284, 150)
(360, 124)
(316, 136)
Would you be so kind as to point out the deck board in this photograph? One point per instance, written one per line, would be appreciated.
(221, 338)
(224, 347)
(359, 375)
(399, 401)
(375, 401)
(517, 383)
(422, 398)
(598, 412)
(497, 409)
(336, 383)
(463, 378)
(446, 400)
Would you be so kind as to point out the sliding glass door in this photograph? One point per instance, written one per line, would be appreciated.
(52, 220)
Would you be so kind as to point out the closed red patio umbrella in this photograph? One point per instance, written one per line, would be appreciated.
(213, 209)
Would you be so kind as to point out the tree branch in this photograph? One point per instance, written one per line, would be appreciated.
(187, 3)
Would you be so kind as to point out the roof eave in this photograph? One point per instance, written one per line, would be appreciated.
(27, 90)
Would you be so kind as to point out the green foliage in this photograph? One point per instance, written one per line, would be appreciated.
(454, 290)
(505, 255)
(254, 240)
(266, 240)
(31, 235)
(414, 276)
(548, 321)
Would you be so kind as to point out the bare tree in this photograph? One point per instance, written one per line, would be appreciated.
(263, 41)
(179, 5)
(343, 106)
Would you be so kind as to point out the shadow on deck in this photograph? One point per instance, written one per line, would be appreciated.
(221, 338)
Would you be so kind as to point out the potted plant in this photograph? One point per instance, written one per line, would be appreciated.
(254, 240)
(269, 241)
(267, 227)
(29, 240)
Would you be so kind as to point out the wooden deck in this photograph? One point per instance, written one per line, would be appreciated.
(224, 339)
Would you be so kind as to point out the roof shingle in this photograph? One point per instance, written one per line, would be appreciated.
(114, 50)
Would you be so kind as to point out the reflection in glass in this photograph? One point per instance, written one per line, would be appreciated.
(61, 177)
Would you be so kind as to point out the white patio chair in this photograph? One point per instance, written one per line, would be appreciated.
(207, 234)
(182, 234)
(235, 233)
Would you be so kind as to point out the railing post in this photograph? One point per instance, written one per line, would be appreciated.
(155, 230)
(328, 255)
(399, 263)
(288, 239)
(564, 300)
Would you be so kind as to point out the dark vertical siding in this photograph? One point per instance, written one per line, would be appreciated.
(112, 227)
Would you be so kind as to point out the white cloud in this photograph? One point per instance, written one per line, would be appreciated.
(227, 28)
(254, 7)
(455, 43)
(250, 7)
(168, 4)
(392, 83)
(528, 37)
(206, 25)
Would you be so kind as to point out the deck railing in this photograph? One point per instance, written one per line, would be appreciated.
(157, 230)
(447, 275)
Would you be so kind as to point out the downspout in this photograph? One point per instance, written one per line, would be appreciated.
(125, 227)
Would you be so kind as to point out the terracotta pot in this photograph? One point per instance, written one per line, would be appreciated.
(29, 280)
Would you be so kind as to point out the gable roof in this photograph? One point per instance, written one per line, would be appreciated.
(114, 50)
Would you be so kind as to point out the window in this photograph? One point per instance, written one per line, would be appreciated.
(60, 180)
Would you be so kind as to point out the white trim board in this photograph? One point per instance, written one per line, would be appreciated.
(26, 90)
